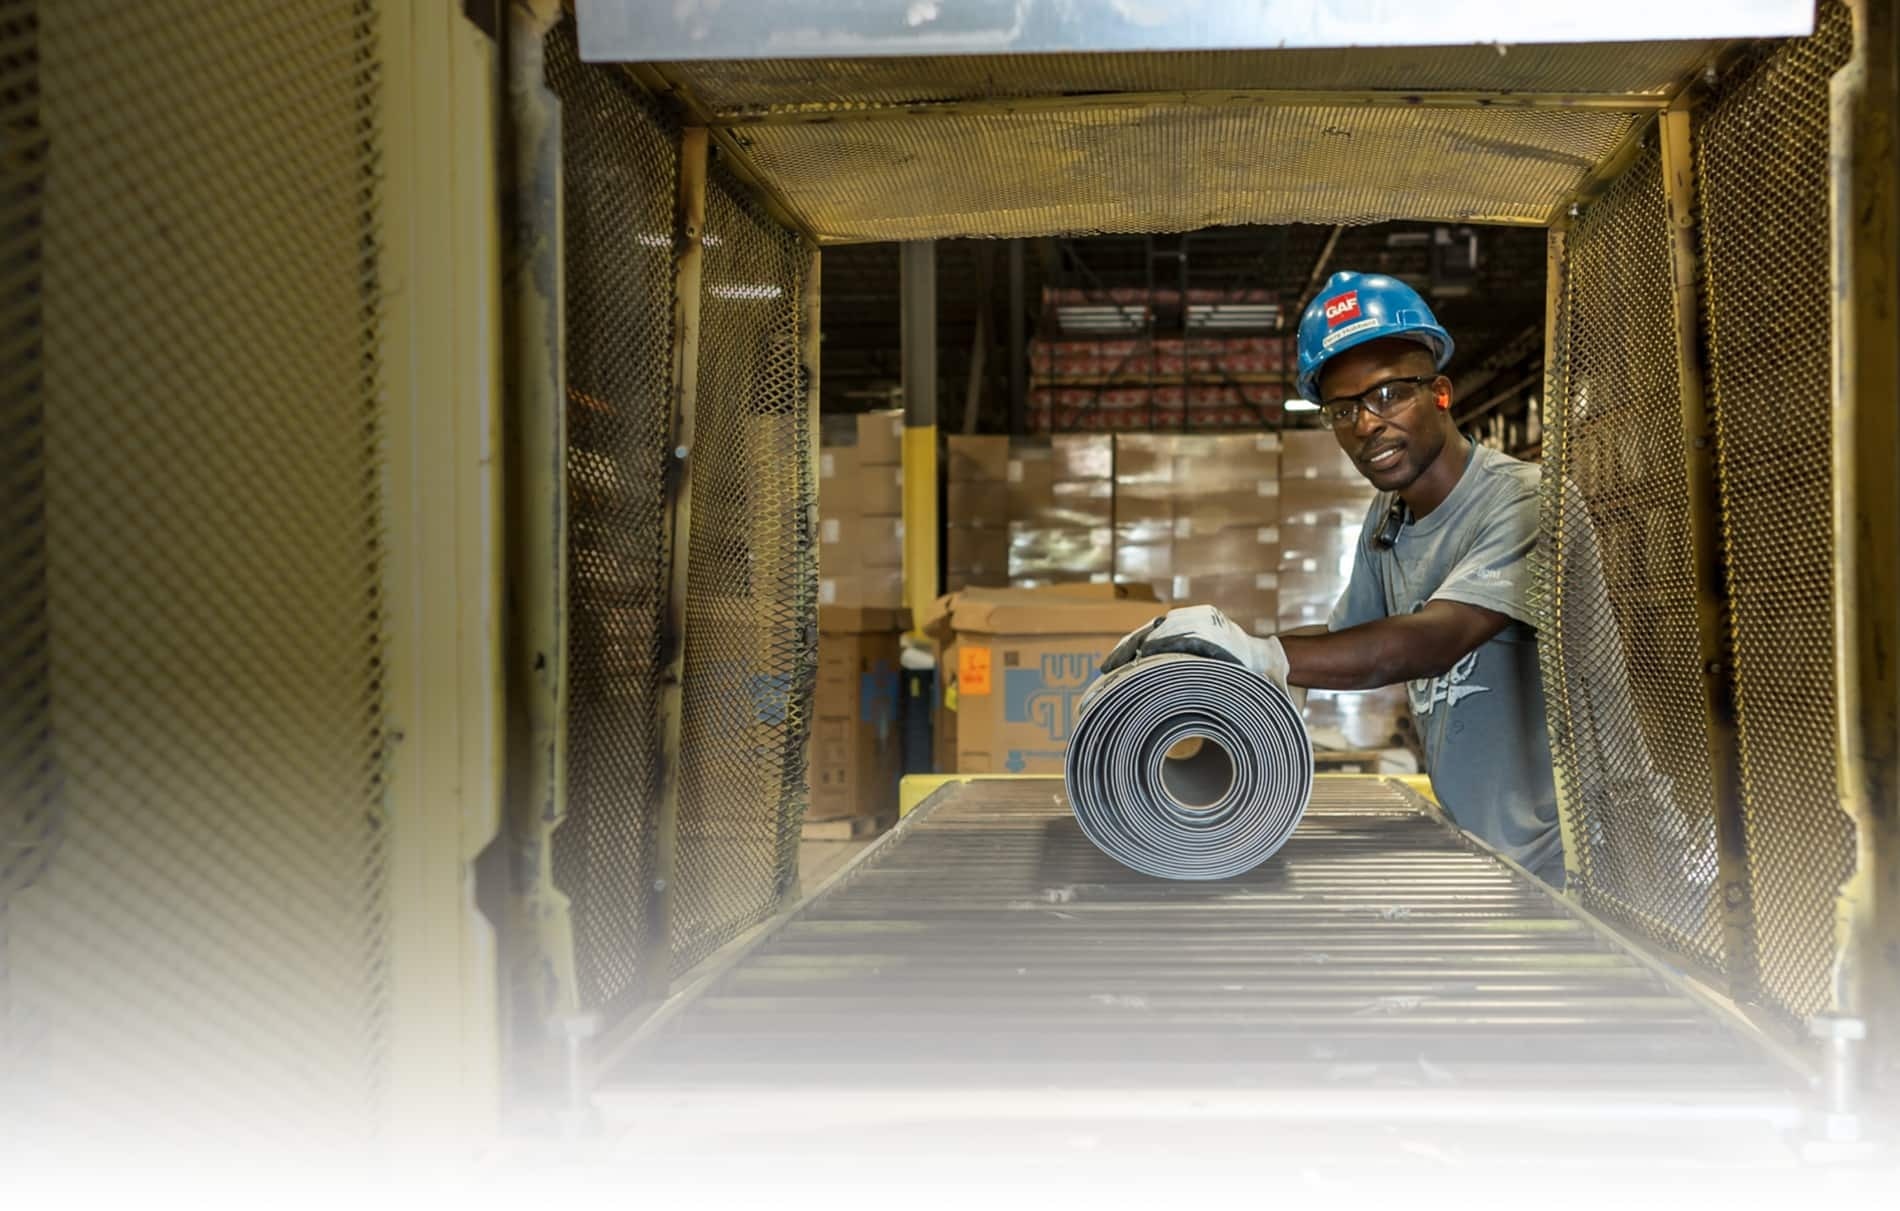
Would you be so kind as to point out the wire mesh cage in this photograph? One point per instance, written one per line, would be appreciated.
(1762, 181)
(751, 647)
(619, 181)
(205, 952)
(1622, 665)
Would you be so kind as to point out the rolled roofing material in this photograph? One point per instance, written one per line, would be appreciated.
(1212, 810)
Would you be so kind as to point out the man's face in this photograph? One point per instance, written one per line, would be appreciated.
(1390, 451)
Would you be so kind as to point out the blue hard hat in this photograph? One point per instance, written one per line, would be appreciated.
(1354, 308)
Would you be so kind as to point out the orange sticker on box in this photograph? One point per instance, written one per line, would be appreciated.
(973, 670)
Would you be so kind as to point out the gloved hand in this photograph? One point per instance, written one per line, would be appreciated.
(1204, 631)
(1128, 647)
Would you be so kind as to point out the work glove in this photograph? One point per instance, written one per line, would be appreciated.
(1202, 631)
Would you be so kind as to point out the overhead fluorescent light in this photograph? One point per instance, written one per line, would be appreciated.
(1300, 405)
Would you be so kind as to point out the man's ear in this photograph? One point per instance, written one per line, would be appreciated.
(1442, 386)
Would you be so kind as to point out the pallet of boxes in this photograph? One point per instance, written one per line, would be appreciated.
(856, 748)
(1061, 506)
(976, 512)
(1196, 520)
(1323, 503)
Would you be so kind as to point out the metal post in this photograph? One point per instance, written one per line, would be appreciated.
(917, 277)
(1018, 342)
(1556, 285)
(1864, 200)
(1705, 538)
(535, 378)
(655, 959)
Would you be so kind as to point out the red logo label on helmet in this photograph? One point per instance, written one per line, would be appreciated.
(1344, 307)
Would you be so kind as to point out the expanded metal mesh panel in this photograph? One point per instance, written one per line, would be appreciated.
(1628, 719)
(1177, 168)
(619, 177)
(204, 954)
(27, 806)
(1762, 172)
(751, 646)
(1643, 67)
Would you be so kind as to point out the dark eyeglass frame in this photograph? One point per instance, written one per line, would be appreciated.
(1343, 410)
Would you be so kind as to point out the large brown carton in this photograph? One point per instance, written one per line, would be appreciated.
(847, 487)
(1082, 456)
(1031, 486)
(972, 503)
(866, 542)
(857, 753)
(1314, 454)
(1325, 502)
(1368, 719)
(1231, 549)
(977, 549)
(1042, 552)
(864, 588)
(976, 459)
(1330, 548)
(881, 438)
(1257, 504)
(1014, 665)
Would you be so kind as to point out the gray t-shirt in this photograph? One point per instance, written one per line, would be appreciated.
(1482, 723)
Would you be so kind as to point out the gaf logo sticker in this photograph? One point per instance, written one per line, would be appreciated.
(1341, 309)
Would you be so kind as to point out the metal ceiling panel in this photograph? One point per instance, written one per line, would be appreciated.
(1161, 167)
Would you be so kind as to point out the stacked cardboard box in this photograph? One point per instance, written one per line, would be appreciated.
(1323, 509)
(976, 512)
(860, 516)
(1013, 665)
(1062, 511)
(1196, 520)
(856, 753)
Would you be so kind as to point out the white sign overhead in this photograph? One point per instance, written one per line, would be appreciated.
(661, 30)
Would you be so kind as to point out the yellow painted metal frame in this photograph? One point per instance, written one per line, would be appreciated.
(1705, 538)
(441, 271)
(920, 520)
(829, 113)
(1865, 203)
(689, 226)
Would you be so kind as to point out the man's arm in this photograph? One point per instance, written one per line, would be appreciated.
(1390, 651)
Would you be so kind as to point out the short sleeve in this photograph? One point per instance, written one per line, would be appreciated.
(1495, 573)
(1363, 600)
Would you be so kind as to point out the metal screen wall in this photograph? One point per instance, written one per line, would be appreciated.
(750, 653)
(1630, 723)
(1622, 669)
(1762, 179)
(204, 954)
(751, 628)
(619, 163)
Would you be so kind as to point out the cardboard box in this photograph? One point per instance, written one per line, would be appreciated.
(1031, 486)
(1251, 601)
(976, 459)
(881, 438)
(1199, 461)
(1323, 502)
(1315, 454)
(849, 488)
(955, 580)
(1313, 549)
(1143, 562)
(1235, 549)
(1014, 664)
(1043, 551)
(977, 504)
(857, 752)
(977, 549)
(1222, 510)
(1082, 455)
(865, 542)
(867, 588)
(1087, 503)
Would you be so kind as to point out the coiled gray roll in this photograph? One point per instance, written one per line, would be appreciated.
(1211, 811)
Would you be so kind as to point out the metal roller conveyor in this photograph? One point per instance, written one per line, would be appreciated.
(984, 972)
(1183, 767)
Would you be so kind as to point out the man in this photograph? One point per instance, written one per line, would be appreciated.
(1437, 594)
